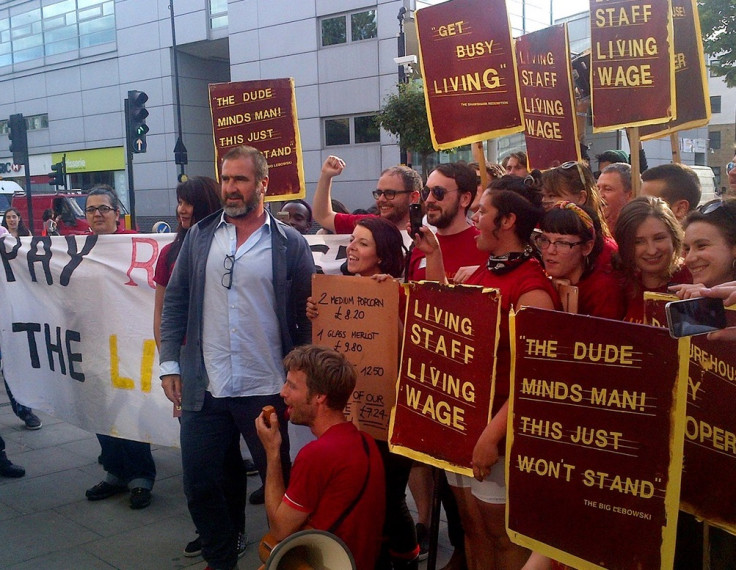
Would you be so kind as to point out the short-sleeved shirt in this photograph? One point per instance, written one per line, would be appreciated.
(345, 223)
(163, 268)
(327, 475)
(458, 250)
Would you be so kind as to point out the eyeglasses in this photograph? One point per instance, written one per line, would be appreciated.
(389, 194)
(544, 243)
(569, 165)
(730, 166)
(227, 279)
(437, 191)
(715, 206)
(101, 209)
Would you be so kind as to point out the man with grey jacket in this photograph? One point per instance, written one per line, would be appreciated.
(234, 307)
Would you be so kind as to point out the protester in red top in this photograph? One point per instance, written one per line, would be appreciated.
(650, 240)
(508, 213)
(397, 187)
(330, 473)
(570, 243)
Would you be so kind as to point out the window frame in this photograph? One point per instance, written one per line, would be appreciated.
(352, 130)
(347, 18)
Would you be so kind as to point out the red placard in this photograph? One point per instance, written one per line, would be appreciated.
(595, 446)
(691, 79)
(547, 98)
(632, 55)
(710, 425)
(467, 59)
(261, 114)
(445, 388)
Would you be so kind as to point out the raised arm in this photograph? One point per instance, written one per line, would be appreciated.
(322, 203)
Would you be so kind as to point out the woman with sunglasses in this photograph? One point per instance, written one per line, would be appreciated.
(570, 243)
(376, 250)
(649, 238)
(709, 247)
(509, 210)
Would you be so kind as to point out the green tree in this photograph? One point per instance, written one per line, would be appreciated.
(405, 116)
(718, 26)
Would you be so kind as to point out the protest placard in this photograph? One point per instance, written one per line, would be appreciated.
(691, 77)
(261, 114)
(595, 439)
(359, 317)
(710, 424)
(547, 98)
(445, 388)
(632, 60)
(76, 332)
(470, 83)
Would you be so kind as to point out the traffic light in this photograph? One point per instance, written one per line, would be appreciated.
(137, 114)
(18, 138)
(58, 176)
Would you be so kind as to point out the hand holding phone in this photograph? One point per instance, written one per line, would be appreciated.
(415, 219)
(698, 315)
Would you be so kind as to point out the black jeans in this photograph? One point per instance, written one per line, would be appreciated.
(205, 438)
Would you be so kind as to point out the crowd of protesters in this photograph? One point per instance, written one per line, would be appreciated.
(528, 233)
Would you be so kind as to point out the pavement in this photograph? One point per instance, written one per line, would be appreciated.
(47, 523)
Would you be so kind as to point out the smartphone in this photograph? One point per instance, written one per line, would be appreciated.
(695, 316)
(415, 218)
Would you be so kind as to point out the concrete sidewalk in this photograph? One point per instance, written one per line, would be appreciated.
(47, 523)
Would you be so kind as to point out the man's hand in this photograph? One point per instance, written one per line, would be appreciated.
(171, 383)
(333, 166)
(269, 435)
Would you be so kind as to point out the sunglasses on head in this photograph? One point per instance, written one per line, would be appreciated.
(571, 164)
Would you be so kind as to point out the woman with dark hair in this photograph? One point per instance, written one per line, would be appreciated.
(649, 241)
(13, 222)
(197, 198)
(376, 250)
(570, 242)
(509, 210)
(709, 247)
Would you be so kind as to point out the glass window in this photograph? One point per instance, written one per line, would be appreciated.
(218, 14)
(715, 139)
(363, 25)
(717, 172)
(337, 131)
(367, 130)
(334, 31)
(715, 104)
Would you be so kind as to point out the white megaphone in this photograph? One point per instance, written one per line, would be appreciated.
(310, 550)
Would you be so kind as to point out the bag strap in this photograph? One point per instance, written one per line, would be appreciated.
(351, 506)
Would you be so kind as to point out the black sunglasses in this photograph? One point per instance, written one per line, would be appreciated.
(227, 277)
(437, 191)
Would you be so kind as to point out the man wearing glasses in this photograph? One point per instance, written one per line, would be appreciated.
(234, 307)
(397, 187)
(449, 192)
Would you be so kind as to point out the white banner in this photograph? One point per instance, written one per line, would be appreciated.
(76, 329)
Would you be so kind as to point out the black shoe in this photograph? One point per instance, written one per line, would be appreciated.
(103, 490)
(258, 497)
(250, 468)
(140, 498)
(7, 469)
(32, 421)
(193, 548)
(242, 544)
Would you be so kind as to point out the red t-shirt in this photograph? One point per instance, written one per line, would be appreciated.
(345, 223)
(529, 276)
(600, 295)
(635, 294)
(163, 269)
(327, 475)
(458, 250)
(604, 258)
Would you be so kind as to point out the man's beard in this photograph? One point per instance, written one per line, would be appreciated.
(245, 209)
(445, 217)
